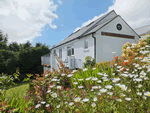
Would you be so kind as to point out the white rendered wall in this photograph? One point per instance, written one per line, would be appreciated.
(105, 45)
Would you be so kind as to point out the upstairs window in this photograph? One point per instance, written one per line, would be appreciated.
(85, 44)
(70, 50)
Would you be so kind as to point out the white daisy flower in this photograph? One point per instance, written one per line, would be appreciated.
(62, 74)
(119, 66)
(108, 86)
(137, 79)
(139, 93)
(75, 83)
(80, 79)
(144, 97)
(80, 87)
(71, 103)
(128, 99)
(93, 105)
(54, 95)
(46, 75)
(48, 91)
(47, 105)
(59, 87)
(100, 73)
(58, 106)
(99, 81)
(93, 68)
(77, 99)
(88, 78)
(123, 95)
(113, 74)
(115, 64)
(119, 100)
(38, 105)
(70, 75)
(43, 102)
(85, 69)
(74, 71)
(105, 75)
(54, 79)
(98, 93)
(126, 60)
(139, 86)
(95, 99)
(103, 90)
(94, 87)
(109, 93)
(146, 78)
(147, 94)
(85, 100)
(94, 79)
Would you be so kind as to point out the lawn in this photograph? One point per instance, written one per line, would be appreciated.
(20, 88)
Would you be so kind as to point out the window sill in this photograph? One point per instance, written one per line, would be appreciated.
(86, 50)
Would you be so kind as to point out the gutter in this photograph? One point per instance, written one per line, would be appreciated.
(94, 46)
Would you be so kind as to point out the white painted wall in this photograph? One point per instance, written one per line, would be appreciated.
(79, 52)
(105, 45)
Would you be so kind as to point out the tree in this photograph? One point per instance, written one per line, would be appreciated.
(14, 46)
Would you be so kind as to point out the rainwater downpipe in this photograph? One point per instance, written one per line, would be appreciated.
(94, 46)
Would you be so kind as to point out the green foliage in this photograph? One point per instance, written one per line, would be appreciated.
(147, 40)
(89, 61)
(8, 61)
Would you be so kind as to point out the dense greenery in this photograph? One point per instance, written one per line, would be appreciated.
(22, 57)
(121, 85)
(89, 62)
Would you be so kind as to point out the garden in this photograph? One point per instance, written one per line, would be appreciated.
(120, 85)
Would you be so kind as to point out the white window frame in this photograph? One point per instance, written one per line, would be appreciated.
(71, 47)
(86, 44)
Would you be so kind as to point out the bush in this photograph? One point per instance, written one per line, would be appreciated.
(89, 62)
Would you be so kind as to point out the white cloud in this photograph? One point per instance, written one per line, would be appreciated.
(24, 19)
(135, 12)
(60, 2)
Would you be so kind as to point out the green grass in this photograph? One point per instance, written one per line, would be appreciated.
(20, 88)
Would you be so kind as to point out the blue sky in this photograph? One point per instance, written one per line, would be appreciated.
(70, 16)
(50, 21)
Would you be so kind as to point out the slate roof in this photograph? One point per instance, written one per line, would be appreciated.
(83, 30)
(142, 30)
(90, 28)
(100, 26)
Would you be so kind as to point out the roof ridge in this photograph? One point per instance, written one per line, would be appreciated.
(98, 22)
(88, 29)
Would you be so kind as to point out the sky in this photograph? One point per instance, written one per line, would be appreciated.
(51, 21)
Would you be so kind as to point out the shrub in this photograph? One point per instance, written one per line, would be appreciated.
(89, 62)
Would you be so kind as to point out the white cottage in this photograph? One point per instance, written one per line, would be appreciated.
(99, 39)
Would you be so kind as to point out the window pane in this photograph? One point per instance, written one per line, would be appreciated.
(72, 51)
(86, 44)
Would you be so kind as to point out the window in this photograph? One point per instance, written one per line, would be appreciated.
(70, 50)
(86, 44)
(54, 51)
(60, 53)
